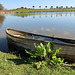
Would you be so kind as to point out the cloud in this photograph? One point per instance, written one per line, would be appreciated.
(35, 30)
(47, 29)
(66, 33)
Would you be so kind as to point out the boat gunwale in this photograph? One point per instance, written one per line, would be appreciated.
(40, 35)
(58, 43)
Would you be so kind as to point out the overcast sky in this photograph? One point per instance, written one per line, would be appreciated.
(11, 4)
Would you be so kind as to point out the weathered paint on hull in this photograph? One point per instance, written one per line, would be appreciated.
(67, 51)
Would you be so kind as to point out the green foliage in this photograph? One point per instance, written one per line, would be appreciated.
(1, 7)
(12, 65)
(45, 53)
(40, 64)
(20, 10)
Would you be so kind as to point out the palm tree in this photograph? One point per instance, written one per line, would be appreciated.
(33, 7)
(40, 7)
(46, 7)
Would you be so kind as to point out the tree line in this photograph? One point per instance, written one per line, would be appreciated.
(1, 7)
(52, 7)
(57, 7)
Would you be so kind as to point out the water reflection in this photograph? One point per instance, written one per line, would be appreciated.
(2, 17)
(51, 14)
(57, 24)
(3, 45)
(3, 40)
(50, 23)
(33, 16)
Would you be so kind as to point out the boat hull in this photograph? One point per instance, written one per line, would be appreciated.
(67, 50)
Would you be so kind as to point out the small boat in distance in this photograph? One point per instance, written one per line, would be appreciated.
(26, 40)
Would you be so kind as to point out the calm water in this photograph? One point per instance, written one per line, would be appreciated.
(58, 24)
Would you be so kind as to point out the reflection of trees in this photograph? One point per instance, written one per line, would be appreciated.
(70, 14)
(40, 15)
(51, 15)
(60, 14)
(46, 14)
(33, 16)
(56, 14)
(22, 16)
(65, 14)
(1, 20)
(0, 25)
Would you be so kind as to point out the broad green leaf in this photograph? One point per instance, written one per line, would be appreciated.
(51, 46)
(48, 48)
(53, 57)
(44, 53)
(57, 50)
(32, 55)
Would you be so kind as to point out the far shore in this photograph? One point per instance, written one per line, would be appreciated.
(2, 13)
(23, 10)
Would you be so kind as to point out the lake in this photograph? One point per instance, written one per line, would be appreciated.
(58, 24)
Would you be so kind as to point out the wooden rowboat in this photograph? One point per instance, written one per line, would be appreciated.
(26, 40)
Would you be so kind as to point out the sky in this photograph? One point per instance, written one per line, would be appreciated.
(13, 4)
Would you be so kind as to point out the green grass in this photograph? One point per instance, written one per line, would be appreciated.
(13, 65)
(20, 10)
(25, 14)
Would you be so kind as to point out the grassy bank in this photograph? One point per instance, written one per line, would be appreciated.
(41, 10)
(13, 65)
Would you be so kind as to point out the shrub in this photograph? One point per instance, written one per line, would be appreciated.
(45, 54)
